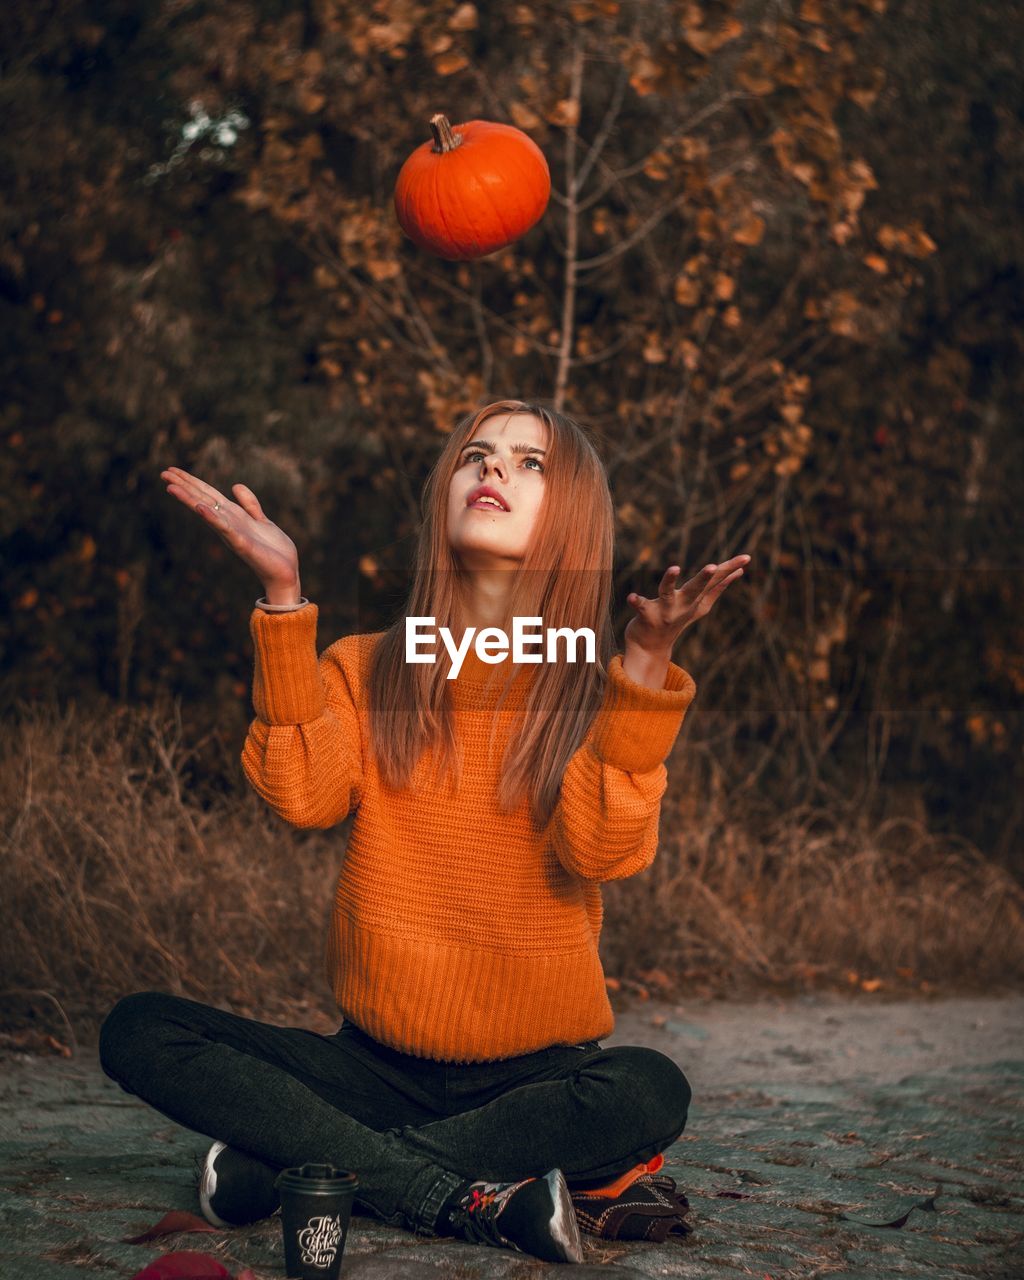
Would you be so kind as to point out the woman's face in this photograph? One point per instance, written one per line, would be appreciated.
(486, 537)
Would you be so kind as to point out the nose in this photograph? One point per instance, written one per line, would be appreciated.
(491, 463)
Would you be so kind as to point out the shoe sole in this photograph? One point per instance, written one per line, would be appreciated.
(565, 1230)
(208, 1186)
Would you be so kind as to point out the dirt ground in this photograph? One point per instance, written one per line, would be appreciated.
(828, 1136)
(827, 1038)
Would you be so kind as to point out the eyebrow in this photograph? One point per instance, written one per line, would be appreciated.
(487, 444)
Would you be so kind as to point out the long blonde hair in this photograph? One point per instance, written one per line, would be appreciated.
(564, 578)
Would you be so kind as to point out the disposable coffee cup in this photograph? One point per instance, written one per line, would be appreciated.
(316, 1206)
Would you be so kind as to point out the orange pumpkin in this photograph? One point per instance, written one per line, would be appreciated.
(474, 189)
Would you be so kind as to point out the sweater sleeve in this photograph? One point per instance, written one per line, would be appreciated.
(605, 825)
(303, 752)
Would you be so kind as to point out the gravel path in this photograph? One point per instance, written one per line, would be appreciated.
(849, 1138)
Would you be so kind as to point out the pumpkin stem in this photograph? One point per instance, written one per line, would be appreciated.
(445, 139)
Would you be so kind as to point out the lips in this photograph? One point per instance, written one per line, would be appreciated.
(485, 491)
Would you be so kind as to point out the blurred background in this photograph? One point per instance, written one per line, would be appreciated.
(779, 276)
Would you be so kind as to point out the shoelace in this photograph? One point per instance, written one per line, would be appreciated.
(474, 1217)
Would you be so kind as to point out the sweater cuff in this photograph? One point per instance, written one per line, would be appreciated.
(286, 687)
(636, 726)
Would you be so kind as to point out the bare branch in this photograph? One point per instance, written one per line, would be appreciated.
(619, 175)
(657, 266)
(437, 349)
(629, 332)
(597, 146)
(439, 282)
(602, 259)
(572, 231)
(404, 483)
(758, 401)
(752, 347)
(486, 351)
(313, 247)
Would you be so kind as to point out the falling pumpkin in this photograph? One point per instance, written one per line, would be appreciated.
(475, 188)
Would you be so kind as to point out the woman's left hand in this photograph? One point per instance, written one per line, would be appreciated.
(658, 623)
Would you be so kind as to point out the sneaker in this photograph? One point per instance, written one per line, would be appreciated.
(533, 1216)
(235, 1189)
(636, 1205)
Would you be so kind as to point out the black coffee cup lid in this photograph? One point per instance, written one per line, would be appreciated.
(315, 1175)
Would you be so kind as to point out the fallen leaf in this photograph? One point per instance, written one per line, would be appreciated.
(176, 1220)
(184, 1263)
(927, 1204)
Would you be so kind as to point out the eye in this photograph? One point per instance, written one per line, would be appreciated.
(479, 453)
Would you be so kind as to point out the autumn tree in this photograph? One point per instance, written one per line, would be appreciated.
(748, 281)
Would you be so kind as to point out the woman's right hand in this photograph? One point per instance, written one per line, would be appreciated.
(257, 541)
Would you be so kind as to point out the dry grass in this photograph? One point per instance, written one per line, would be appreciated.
(134, 859)
(127, 868)
(821, 898)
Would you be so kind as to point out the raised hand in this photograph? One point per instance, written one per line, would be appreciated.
(658, 623)
(268, 550)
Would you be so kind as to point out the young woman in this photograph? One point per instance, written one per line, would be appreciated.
(466, 1086)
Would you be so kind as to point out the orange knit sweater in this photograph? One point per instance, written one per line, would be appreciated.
(459, 933)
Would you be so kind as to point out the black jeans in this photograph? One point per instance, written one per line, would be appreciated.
(412, 1129)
